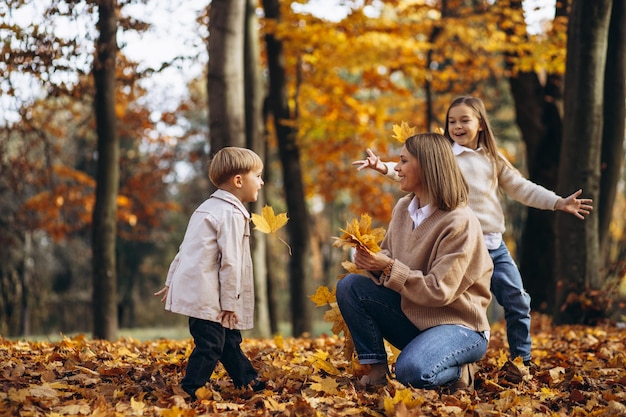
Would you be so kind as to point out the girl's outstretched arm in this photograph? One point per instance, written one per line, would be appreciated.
(579, 207)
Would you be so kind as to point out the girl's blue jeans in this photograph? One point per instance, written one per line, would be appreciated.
(429, 358)
(508, 288)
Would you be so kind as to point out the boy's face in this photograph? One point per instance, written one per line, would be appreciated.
(251, 183)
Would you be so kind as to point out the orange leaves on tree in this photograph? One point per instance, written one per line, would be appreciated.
(269, 223)
(359, 234)
(65, 207)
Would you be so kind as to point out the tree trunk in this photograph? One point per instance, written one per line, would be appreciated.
(298, 225)
(432, 67)
(254, 96)
(107, 177)
(538, 108)
(612, 158)
(227, 124)
(577, 263)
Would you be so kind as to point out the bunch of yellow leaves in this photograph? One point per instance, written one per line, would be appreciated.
(359, 234)
(268, 222)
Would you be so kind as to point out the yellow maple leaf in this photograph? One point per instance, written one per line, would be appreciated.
(137, 406)
(334, 316)
(359, 234)
(280, 341)
(323, 296)
(320, 361)
(350, 268)
(269, 223)
(403, 131)
(326, 385)
(402, 396)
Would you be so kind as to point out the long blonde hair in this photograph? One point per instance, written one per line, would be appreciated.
(440, 173)
(486, 137)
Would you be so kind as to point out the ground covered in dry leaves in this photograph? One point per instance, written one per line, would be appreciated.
(581, 371)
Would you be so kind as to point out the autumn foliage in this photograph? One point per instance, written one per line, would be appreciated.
(581, 371)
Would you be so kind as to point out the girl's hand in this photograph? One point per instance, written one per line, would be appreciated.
(575, 206)
(372, 161)
(370, 261)
(163, 291)
(228, 319)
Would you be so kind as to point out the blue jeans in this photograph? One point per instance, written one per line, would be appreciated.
(508, 288)
(429, 358)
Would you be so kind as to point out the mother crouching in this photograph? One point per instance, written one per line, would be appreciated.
(427, 291)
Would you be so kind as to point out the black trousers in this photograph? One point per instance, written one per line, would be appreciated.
(214, 343)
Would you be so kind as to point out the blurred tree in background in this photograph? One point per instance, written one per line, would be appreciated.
(347, 79)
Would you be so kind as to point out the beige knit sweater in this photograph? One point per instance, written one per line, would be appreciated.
(441, 268)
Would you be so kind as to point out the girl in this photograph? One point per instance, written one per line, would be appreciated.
(427, 290)
(486, 171)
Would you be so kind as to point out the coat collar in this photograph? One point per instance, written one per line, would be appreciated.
(230, 198)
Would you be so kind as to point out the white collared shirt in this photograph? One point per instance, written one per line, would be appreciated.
(418, 214)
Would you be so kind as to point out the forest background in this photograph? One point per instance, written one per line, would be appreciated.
(84, 122)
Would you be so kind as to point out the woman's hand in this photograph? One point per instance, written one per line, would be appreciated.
(163, 291)
(370, 261)
(575, 206)
(372, 161)
(228, 319)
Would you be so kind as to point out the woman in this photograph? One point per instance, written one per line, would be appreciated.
(427, 290)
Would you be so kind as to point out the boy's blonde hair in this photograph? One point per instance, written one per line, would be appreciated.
(440, 173)
(230, 161)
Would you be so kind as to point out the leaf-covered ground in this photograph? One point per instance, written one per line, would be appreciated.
(581, 372)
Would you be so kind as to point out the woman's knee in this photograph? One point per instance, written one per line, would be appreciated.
(411, 373)
(345, 285)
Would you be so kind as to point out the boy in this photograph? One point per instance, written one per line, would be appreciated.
(210, 279)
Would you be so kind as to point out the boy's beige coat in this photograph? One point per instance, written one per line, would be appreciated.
(212, 271)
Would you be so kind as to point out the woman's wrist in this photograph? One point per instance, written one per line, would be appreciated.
(387, 270)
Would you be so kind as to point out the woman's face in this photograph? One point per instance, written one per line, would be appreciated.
(409, 172)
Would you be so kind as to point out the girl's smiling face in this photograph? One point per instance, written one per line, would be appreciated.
(464, 126)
